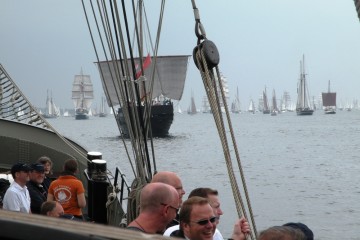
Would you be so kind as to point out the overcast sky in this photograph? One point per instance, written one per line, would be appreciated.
(44, 43)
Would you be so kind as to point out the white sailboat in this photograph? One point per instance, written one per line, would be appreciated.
(251, 108)
(303, 106)
(102, 112)
(51, 111)
(179, 109)
(235, 106)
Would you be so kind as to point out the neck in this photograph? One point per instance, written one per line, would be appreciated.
(22, 184)
(148, 225)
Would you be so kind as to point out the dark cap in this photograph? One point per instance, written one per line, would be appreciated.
(307, 231)
(18, 167)
(37, 167)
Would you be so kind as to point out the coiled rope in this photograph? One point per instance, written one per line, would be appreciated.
(207, 58)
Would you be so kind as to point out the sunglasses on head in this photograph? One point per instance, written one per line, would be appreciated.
(205, 221)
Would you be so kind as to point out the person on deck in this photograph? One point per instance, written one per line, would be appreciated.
(198, 221)
(46, 161)
(68, 190)
(305, 229)
(174, 180)
(212, 196)
(38, 193)
(159, 204)
(282, 232)
(52, 209)
(17, 197)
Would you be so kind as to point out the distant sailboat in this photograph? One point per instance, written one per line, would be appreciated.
(66, 113)
(235, 106)
(179, 109)
(51, 110)
(192, 108)
(303, 102)
(266, 108)
(82, 95)
(251, 106)
(329, 101)
(274, 108)
(102, 112)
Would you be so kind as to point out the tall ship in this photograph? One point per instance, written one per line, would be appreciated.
(329, 101)
(51, 110)
(82, 95)
(266, 108)
(205, 108)
(225, 89)
(303, 105)
(285, 105)
(161, 80)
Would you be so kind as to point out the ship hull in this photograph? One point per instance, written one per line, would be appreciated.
(304, 112)
(81, 114)
(161, 119)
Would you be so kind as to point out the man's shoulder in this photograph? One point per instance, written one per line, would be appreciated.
(218, 235)
(170, 230)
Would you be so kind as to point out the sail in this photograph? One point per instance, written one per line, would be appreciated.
(169, 78)
(303, 101)
(265, 101)
(329, 99)
(82, 91)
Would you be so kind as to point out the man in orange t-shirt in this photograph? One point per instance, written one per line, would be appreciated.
(68, 190)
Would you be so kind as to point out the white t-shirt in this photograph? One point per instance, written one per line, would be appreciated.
(17, 199)
(217, 234)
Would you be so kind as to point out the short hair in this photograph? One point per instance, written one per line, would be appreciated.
(153, 194)
(71, 165)
(47, 206)
(44, 159)
(281, 233)
(187, 207)
(203, 192)
(305, 229)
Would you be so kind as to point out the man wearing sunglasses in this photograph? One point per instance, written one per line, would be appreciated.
(212, 196)
(198, 221)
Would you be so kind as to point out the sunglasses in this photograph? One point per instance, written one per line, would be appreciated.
(164, 204)
(205, 221)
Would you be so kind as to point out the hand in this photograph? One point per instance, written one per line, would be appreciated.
(241, 229)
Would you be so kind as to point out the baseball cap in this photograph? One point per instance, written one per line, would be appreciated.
(37, 167)
(18, 167)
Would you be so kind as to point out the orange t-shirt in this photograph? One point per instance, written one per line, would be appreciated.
(65, 190)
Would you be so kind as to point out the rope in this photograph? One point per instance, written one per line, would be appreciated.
(206, 59)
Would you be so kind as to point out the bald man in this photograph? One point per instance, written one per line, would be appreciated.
(171, 179)
(159, 204)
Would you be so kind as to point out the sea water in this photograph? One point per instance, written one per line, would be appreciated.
(297, 168)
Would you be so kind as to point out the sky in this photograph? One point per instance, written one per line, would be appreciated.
(44, 43)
